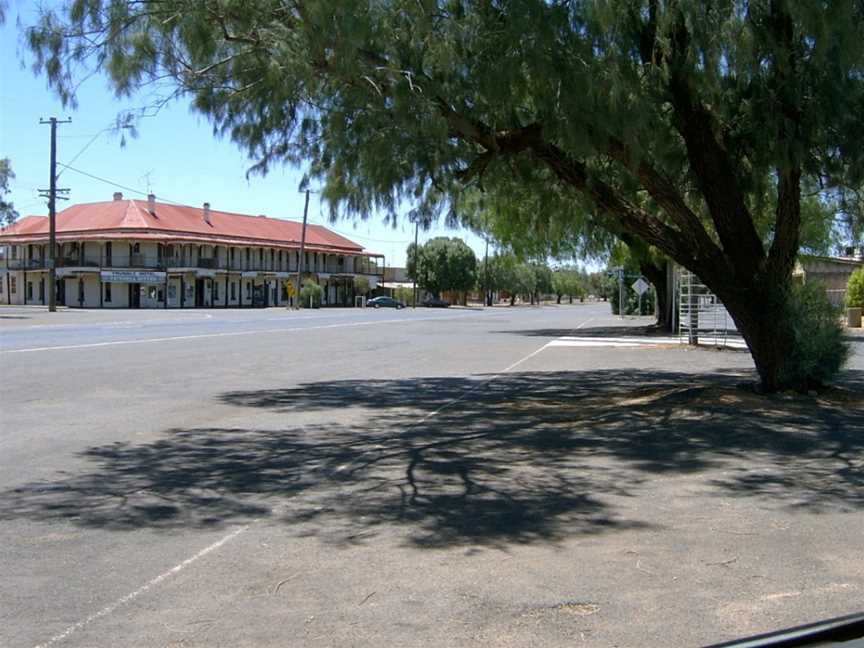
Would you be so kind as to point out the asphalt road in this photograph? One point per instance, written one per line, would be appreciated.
(346, 477)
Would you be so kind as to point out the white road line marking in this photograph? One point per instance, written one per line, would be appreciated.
(706, 341)
(226, 334)
(480, 384)
(108, 609)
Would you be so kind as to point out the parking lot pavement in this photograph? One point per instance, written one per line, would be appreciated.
(426, 482)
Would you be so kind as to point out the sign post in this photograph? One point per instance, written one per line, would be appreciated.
(641, 287)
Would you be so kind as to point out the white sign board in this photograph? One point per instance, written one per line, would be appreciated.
(133, 276)
(640, 286)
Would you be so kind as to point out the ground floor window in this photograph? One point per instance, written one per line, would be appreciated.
(107, 292)
(233, 290)
(215, 290)
(13, 286)
(42, 290)
(248, 290)
(29, 290)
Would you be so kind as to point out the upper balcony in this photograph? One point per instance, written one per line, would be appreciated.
(156, 262)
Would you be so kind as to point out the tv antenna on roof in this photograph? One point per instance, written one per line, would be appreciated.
(146, 178)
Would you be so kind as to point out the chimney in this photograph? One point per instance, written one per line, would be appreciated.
(118, 195)
(207, 212)
(151, 203)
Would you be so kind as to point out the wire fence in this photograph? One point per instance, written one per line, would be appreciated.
(702, 317)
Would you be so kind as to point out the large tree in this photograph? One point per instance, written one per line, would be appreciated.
(667, 121)
(441, 264)
(8, 213)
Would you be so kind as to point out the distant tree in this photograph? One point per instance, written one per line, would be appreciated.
(311, 294)
(855, 289)
(568, 282)
(443, 264)
(361, 285)
(8, 214)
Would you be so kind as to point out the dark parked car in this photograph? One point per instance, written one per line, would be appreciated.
(384, 302)
(435, 302)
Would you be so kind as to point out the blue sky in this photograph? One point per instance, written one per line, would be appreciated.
(175, 155)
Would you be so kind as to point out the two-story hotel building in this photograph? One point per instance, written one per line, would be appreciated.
(147, 254)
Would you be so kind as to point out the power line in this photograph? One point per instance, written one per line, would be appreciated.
(117, 184)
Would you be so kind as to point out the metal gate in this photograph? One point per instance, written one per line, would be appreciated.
(702, 318)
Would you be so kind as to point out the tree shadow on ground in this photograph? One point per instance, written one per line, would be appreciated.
(518, 458)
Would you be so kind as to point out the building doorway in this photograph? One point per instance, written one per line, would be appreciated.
(60, 291)
(134, 295)
(199, 293)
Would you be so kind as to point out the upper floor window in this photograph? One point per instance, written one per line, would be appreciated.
(136, 248)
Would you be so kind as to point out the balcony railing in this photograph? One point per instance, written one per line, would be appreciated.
(156, 262)
(25, 264)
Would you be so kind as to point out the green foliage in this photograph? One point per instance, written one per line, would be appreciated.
(818, 350)
(568, 282)
(443, 264)
(8, 214)
(631, 300)
(361, 285)
(311, 294)
(405, 295)
(855, 289)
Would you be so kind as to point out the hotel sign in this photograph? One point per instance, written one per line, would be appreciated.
(133, 276)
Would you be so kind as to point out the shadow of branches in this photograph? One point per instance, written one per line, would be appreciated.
(520, 458)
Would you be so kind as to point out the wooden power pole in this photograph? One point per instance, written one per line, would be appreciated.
(51, 194)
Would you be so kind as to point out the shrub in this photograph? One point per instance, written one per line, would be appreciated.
(405, 295)
(311, 294)
(819, 350)
(361, 285)
(855, 289)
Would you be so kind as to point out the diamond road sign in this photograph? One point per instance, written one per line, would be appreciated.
(640, 286)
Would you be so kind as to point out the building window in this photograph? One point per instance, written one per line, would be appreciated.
(136, 248)
(215, 290)
(233, 291)
(14, 253)
(108, 292)
(1, 286)
(29, 290)
(248, 290)
(13, 286)
(42, 290)
(108, 251)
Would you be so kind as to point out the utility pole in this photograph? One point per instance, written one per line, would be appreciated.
(52, 196)
(300, 261)
(487, 297)
(416, 263)
(621, 293)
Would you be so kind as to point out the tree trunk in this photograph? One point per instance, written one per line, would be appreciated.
(559, 299)
(656, 274)
(759, 315)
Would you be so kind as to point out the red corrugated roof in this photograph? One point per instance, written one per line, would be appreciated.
(131, 219)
